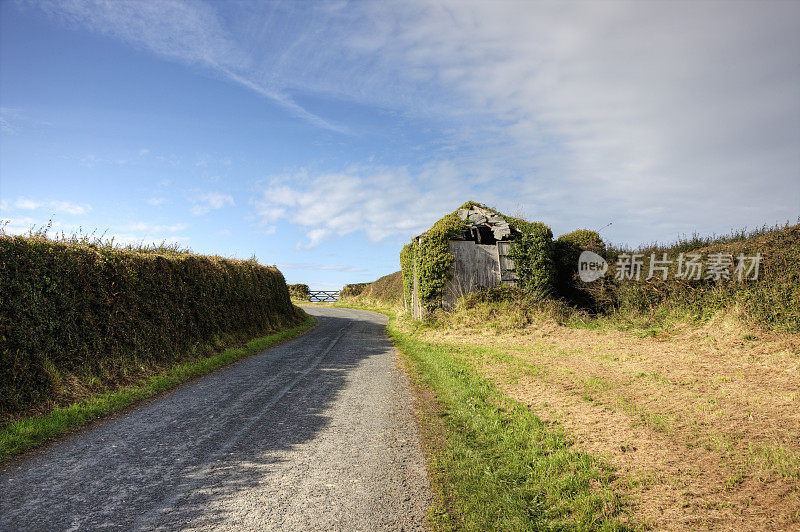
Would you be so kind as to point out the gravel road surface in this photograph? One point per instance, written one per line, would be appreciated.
(315, 434)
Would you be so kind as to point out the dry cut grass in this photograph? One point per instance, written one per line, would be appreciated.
(703, 424)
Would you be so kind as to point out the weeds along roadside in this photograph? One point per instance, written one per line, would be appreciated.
(27, 433)
(494, 464)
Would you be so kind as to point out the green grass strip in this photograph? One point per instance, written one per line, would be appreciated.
(501, 466)
(26, 433)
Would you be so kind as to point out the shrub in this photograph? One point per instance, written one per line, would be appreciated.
(299, 291)
(584, 239)
(352, 290)
(566, 251)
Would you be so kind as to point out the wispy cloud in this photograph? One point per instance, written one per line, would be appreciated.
(136, 239)
(191, 33)
(148, 233)
(663, 117)
(5, 126)
(17, 225)
(22, 225)
(14, 120)
(55, 207)
(209, 201)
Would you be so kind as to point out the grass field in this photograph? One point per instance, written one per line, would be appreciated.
(700, 422)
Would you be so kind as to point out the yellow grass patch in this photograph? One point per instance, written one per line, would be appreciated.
(702, 423)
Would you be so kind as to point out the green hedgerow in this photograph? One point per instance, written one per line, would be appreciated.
(98, 313)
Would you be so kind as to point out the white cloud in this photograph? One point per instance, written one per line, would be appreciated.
(26, 204)
(147, 233)
(662, 117)
(21, 225)
(6, 127)
(377, 201)
(134, 239)
(55, 207)
(14, 120)
(208, 201)
(156, 201)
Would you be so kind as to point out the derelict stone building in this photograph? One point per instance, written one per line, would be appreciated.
(481, 257)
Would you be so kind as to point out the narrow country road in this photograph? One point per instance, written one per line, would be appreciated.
(315, 434)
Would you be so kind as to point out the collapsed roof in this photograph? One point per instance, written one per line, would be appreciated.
(485, 226)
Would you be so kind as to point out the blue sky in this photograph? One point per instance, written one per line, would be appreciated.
(321, 136)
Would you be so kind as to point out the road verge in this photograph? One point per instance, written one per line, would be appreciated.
(24, 434)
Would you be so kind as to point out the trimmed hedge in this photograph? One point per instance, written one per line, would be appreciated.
(93, 313)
